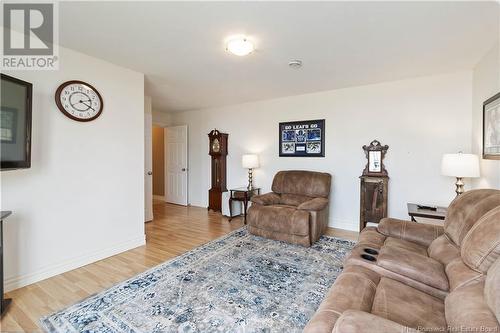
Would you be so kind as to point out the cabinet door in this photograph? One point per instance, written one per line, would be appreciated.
(374, 201)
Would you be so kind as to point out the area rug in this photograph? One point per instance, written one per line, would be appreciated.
(237, 283)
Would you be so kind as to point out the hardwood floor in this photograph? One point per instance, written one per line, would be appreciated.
(175, 230)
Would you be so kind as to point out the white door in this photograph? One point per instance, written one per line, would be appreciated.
(176, 167)
(148, 167)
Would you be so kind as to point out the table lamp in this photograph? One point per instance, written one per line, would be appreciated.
(250, 162)
(460, 165)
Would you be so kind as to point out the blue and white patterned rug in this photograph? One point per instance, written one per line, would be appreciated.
(238, 283)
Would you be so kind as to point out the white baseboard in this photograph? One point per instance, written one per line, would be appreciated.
(159, 197)
(47, 272)
(344, 224)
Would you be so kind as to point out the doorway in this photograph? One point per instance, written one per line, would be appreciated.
(169, 164)
(176, 165)
(158, 163)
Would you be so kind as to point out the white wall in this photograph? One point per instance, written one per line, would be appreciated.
(163, 119)
(83, 198)
(420, 119)
(485, 84)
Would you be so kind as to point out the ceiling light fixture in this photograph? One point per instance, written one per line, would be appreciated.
(295, 64)
(239, 46)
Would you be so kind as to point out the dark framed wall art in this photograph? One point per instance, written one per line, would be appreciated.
(491, 128)
(302, 138)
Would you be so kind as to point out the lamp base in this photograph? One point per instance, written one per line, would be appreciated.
(250, 185)
(459, 184)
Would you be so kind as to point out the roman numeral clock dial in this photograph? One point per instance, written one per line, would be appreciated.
(79, 101)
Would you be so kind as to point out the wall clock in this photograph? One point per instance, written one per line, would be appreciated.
(79, 101)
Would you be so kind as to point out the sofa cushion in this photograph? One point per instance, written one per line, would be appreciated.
(466, 308)
(280, 219)
(463, 213)
(415, 266)
(443, 250)
(481, 246)
(406, 245)
(308, 183)
(408, 306)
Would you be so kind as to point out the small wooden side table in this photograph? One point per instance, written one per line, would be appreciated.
(415, 211)
(243, 195)
(4, 303)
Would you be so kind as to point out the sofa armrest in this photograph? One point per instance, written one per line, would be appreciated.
(354, 321)
(267, 199)
(419, 233)
(314, 204)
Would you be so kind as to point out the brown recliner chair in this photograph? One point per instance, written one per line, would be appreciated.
(364, 300)
(296, 211)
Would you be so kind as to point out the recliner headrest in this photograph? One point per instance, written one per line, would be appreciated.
(309, 183)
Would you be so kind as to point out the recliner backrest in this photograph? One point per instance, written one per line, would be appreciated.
(306, 183)
(481, 246)
(466, 210)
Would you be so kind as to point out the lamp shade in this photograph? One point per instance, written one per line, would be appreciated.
(460, 165)
(250, 161)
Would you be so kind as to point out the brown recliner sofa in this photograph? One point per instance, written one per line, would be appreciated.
(296, 211)
(403, 276)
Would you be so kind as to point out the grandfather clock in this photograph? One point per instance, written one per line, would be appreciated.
(218, 152)
(374, 185)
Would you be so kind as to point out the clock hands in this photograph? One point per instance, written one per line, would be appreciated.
(87, 105)
(84, 103)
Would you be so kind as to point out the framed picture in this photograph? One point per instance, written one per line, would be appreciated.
(491, 128)
(302, 138)
(8, 125)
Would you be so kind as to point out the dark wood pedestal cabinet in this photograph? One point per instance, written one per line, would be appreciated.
(373, 200)
(374, 185)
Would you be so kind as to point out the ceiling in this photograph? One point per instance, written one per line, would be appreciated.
(180, 45)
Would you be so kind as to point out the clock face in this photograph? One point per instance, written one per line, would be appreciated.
(216, 145)
(79, 101)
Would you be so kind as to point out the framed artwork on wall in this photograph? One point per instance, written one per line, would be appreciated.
(491, 128)
(302, 138)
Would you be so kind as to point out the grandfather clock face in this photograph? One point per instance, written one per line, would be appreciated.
(216, 145)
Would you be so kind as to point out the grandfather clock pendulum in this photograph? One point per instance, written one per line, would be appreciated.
(218, 153)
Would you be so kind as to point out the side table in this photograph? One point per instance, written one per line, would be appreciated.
(243, 195)
(439, 213)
